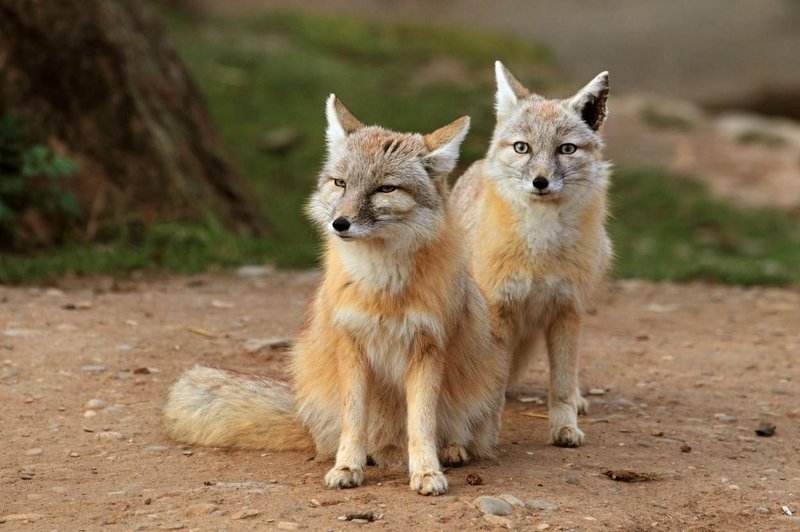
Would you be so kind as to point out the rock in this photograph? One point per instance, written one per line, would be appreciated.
(73, 454)
(542, 526)
(22, 517)
(201, 508)
(512, 500)
(492, 505)
(765, 430)
(686, 448)
(289, 525)
(124, 375)
(572, 480)
(219, 513)
(174, 526)
(597, 391)
(109, 435)
(498, 521)
(36, 451)
(93, 369)
(244, 514)
(763, 510)
(728, 419)
(94, 404)
(89, 413)
(156, 449)
(539, 504)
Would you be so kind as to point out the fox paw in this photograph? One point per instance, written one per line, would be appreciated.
(567, 436)
(344, 477)
(429, 483)
(453, 455)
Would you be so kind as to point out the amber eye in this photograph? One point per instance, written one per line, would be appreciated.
(339, 182)
(522, 147)
(567, 149)
(387, 188)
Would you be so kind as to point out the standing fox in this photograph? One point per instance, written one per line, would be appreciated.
(534, 211)
(397, 347)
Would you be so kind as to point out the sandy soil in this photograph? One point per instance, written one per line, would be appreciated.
(84, 369)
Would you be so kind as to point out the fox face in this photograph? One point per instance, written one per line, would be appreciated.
(548, 150)
(381, 185)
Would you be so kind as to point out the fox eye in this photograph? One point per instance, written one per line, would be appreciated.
(339, 182)
(387, 188)
(522, 147)
(567, 149)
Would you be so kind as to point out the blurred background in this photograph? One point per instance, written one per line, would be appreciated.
(185, 135)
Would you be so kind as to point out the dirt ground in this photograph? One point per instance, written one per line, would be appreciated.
(684, 375)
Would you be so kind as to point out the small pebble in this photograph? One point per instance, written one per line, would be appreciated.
(733, 487)
(686, 448)
(202, 508)
(89, 413)
(156, 449)
(36, 451)
(174, 526)
(289, 525)
(597, 391)
(542, 526)
(498, 521)
(109, 435)
(244, 514)
(572, 480)
(539, 504)
(73, 454)
(765, 430)
(492, 505)
(763, 510)
(93, 369)
(94, 404)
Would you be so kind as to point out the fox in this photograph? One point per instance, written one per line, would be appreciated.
(534, 212)
(396, 363)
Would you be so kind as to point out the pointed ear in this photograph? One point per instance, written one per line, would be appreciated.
(591, 101)
(341, 123)
(509, 91)
(443, 147)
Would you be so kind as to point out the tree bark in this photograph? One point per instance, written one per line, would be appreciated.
(99, 81)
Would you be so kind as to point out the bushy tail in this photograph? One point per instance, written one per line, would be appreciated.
(223, 408)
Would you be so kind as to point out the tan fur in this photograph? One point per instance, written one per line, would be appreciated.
(538, 256)
(396, 360)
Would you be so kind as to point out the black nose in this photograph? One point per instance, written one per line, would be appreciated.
(341, 224)
(541, 182)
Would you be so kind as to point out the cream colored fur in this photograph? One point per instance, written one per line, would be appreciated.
(538, 254)
(397, 360)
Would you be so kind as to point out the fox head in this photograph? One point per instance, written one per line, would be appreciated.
(379, 185)
(548, 150)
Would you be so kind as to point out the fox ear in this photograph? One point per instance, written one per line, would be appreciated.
(509, 91)
(341, 123)
(591, 101)
(443, 147)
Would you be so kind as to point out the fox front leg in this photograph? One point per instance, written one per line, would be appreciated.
(423, 381)
(351, 457)
(564, 399)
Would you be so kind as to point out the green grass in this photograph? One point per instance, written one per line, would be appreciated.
(669, 228)
(273, 73)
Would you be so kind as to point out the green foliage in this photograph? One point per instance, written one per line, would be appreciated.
(29, 182)
(266, 80)
(667, 227)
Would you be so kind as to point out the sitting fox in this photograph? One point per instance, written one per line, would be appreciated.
(534, 212)
(397, 356)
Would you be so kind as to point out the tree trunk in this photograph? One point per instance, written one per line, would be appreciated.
(98, 81)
